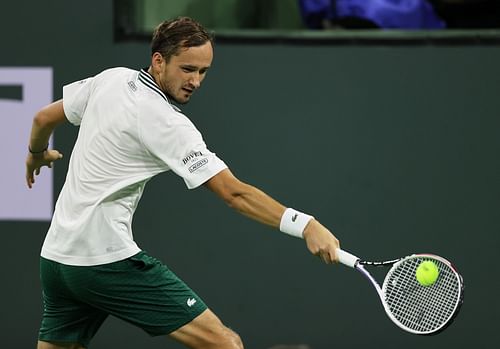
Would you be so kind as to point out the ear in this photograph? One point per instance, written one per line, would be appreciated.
(157, 61)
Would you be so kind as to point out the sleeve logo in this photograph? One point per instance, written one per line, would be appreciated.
(194, 162)
(198, 164)
(191, 157)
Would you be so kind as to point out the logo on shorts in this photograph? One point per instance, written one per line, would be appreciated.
(190, 302)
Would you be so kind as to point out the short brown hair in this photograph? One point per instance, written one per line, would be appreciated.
(182, 32)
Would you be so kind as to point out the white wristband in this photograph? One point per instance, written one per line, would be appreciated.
(293, 222)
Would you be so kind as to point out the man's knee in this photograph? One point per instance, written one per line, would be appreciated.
(222, 338)
(207, 332)
(233, 339)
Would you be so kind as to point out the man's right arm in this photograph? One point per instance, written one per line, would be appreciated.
(256, 204)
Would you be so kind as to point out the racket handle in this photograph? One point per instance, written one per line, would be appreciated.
(346, 258)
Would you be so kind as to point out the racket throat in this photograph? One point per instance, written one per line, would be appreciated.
(367, 275)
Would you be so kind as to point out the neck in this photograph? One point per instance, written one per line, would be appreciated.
(150, 71)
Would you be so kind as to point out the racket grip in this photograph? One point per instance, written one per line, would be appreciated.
(346, 258)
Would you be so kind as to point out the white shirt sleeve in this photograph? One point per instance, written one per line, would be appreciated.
(75, 98)
(173, 139)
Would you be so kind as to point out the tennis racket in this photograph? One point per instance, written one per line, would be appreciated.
(418, 309)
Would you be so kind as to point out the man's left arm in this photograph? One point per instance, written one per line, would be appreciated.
(44, 123)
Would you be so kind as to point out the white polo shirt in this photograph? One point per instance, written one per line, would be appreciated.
(129, 132)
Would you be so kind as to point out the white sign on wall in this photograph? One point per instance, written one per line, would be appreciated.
(17, 201)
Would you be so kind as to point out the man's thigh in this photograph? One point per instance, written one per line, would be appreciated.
(140, 290)
(66, 319)
(55, 345)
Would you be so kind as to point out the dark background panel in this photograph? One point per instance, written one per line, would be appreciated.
(392, 147)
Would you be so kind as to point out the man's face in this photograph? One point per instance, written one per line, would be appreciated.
(184, 72)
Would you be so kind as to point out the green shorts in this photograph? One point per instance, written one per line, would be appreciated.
(140, 290)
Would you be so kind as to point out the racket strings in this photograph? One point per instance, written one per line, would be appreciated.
(416, 316)
(412, 305)
(421, 308)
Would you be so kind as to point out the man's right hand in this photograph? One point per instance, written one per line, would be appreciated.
(321, 242)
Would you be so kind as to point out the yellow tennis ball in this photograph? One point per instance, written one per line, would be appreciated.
(427, 273)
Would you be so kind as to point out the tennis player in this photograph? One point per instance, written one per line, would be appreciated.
(129, 132)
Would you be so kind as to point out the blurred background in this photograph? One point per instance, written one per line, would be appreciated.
(139, 17)
(378, 117)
